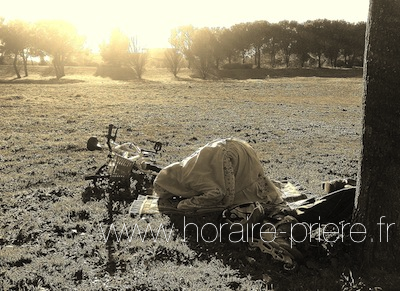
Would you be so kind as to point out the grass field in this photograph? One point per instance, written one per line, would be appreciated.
(307, 129)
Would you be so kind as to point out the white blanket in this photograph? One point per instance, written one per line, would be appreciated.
(224, 172)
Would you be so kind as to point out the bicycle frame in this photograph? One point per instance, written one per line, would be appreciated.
(125, 162)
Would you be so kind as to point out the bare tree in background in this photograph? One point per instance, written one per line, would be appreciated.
(137, 58)
(378, 196)
(173, 61)
(182, 39)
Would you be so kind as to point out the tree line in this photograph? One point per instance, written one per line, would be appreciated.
(286, 43)
(245, 45)
(55, 39)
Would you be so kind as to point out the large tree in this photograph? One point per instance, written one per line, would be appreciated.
(378, 196)
(354, 44)
(302, 45)
(203, 51)
(227, 40)
(242, 39)
(318, 30)
(59, 39)
(181, 39)
(217, 46)
(335, 30)
(272, 39)
(287, 39)
(16, 36)
(256, 33)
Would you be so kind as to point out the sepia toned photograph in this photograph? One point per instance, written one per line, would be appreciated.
(200, 145)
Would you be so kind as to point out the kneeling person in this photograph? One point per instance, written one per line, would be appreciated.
(223, 173)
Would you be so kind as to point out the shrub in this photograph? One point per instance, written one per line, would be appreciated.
(115, 72)
(235, 66)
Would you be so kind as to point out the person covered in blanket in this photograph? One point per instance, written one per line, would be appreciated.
(223, 173)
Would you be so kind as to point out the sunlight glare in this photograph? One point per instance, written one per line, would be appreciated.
(151, 21)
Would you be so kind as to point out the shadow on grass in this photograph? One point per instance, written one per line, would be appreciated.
(243, 74)
(52, 81)
(315, 272)
(208, 242)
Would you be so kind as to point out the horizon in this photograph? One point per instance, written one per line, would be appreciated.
(152, 29)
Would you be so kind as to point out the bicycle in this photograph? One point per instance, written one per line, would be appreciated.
(128, 170)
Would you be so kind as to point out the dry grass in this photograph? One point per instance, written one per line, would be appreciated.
(304, 128)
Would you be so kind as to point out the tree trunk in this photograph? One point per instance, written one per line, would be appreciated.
(58, 66)
(42, 60)
(378, 197)
(272, 57)
(319, 55)
(287, 57)
(257, 57)
(351, 60)
(15, 65)
(25, 62)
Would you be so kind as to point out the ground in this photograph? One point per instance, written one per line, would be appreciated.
(304, 128)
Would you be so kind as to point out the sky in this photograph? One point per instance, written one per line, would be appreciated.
(151, 21)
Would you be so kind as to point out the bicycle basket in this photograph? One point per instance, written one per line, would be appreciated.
(120, 168)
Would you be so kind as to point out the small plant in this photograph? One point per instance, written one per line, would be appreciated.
(350, 284)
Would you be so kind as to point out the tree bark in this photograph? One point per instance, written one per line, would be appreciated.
(377, 205)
